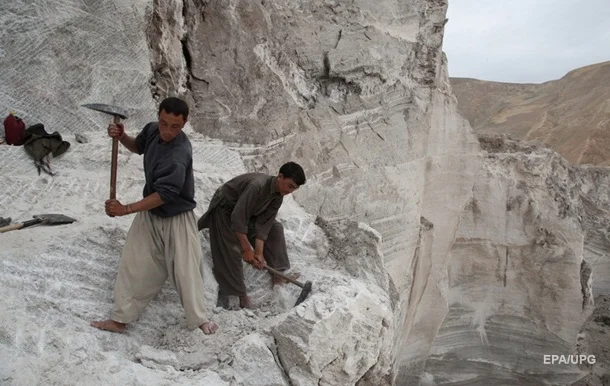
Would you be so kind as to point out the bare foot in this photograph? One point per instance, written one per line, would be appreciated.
(209, 328)
(277, 280)
(244, 302)
(109, 325)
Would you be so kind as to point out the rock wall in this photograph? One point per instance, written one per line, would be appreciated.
(359, 95)
(514, 287)
(58, 55)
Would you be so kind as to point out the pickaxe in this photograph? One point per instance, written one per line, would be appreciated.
(44, 219)
(118, 114)
(306, 288)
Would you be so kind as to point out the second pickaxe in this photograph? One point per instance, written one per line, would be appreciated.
(305, 288)
(118, 114)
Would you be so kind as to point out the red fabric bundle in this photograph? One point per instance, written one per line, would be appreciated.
(14, 130)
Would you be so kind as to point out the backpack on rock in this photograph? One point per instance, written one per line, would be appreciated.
(14, 130)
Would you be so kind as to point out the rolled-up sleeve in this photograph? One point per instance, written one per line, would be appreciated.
(264, 221)
(170, 180)
(243, 209)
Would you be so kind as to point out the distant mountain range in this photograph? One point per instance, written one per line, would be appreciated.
(571, 115)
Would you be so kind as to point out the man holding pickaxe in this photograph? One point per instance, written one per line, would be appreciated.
(163, 240)
(241, 219)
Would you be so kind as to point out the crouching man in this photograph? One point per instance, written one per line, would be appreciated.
(241, 215)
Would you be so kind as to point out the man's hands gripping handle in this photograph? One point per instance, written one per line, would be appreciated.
(250, 255)
(116, 130)
(255, 259)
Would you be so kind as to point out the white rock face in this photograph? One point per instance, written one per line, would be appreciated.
(157, 359)
(593, 185)
(323, 342)
(255, 364)
(56, 279)
(363, 102)
(433, 262)
(342, 336)
(59, 55)
(509, 302)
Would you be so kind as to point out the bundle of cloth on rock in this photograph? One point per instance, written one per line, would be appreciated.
(39, 145)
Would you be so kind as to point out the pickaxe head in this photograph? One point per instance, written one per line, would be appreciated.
(304, 293)
(53, 219)
(115, 111)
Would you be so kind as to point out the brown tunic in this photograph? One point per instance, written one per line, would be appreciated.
(246, 204)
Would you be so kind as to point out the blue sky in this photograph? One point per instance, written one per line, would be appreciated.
(525, 41)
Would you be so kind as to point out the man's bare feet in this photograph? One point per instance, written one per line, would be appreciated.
(244, 302)
(109, 325)
(209, 328)
(277, 280)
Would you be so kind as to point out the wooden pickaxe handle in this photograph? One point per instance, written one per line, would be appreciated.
(287, 278)
(21, 225)
(305, 288)
(12, 227)
(114, 162)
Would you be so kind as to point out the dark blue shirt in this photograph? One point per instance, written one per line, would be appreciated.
(168, 169)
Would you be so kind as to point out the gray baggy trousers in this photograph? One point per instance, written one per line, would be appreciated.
(157, 248)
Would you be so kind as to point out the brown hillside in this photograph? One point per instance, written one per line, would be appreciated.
(571, 115)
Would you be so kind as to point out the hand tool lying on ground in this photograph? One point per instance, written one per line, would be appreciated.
(306, 288)
(118, 114)
(44, 219)
(5, 221)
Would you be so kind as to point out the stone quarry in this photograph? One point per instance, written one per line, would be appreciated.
(438, 257)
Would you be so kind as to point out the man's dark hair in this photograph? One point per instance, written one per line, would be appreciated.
(295, 171)
(175, 106)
